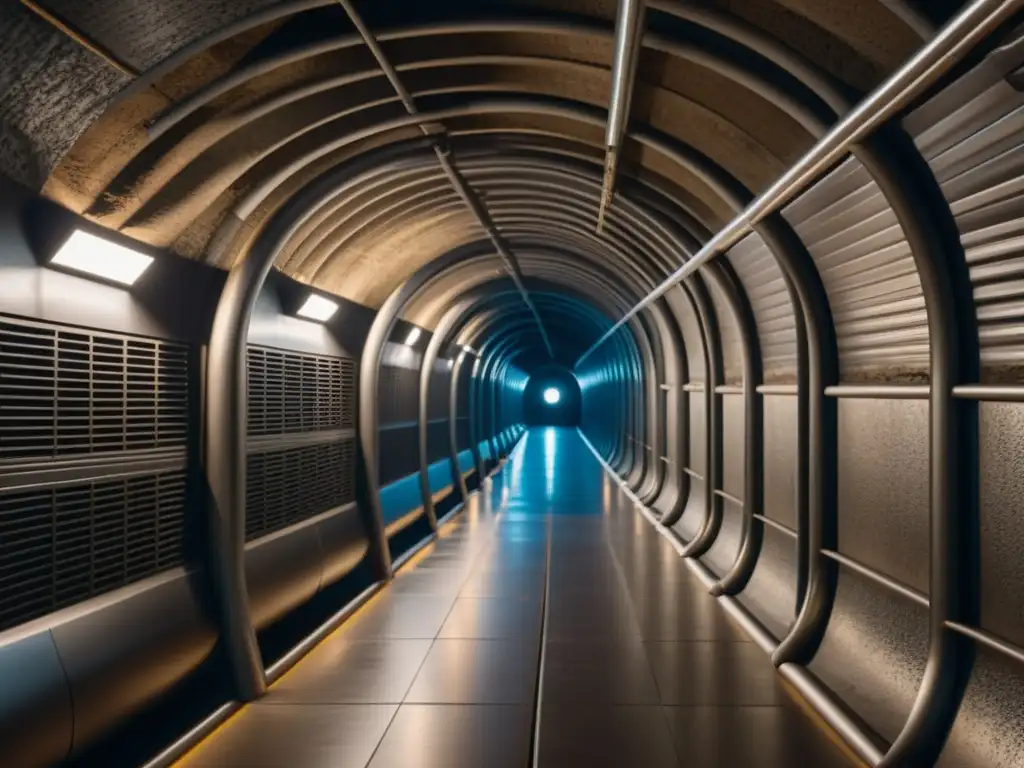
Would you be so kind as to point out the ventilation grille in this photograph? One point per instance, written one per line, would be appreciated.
(291, 392)
(61, 546)
(66, 392)
(398, 394)
(439, 395)
(287, 487)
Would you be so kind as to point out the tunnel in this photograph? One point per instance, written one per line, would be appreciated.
(512, 383)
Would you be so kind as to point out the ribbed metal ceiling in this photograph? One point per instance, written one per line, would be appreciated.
(224, 110)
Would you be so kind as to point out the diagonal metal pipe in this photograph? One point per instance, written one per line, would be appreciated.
(444, 157)
(950, 45)
(629, 32)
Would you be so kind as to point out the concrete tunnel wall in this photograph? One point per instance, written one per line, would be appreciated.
(826, 420)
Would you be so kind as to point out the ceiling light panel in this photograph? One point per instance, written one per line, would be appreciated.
(93, 255)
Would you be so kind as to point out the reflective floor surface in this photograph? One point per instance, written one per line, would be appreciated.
(549, 625)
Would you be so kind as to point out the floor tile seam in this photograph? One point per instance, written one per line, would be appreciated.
(419, 670)
(383, 735)
(538, 684)
(491, 532)
(647, 658)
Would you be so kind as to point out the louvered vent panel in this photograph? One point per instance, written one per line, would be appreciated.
(287, 487)
(689, 325)
(973, 136)
(348, 393)
(729, 331)
(292, 392)
(66, 392)
(869, 274)
(765, 287)
(60, 546)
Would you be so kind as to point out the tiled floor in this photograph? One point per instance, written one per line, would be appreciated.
(552, 577)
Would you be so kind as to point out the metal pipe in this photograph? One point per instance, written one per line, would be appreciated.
(973, 24)
(629, 32)
(878, 577)
(990, 393)
(988, 640)
(880, 391)
(778, 527)
(79, 37)
(443, 153)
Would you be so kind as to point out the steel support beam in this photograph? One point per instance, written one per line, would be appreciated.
(444, 157)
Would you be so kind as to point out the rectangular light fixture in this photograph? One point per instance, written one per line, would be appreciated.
(318, 308)
(96, 256)
(413, 336)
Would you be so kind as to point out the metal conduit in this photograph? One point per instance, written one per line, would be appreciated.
(629, 32)
(457, 180)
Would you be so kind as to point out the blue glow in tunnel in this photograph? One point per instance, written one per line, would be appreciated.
(552, 396)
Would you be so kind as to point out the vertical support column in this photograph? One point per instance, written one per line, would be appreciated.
(453, 425)
(909, 185)
(816, 522)
(678, 419)
(225, 436)
(437, 341)
(708, 530)
(753, 443)
(225, 462)
(474, 411)
(653, 373)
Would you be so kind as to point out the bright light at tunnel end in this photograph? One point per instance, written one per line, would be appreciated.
(552, 396)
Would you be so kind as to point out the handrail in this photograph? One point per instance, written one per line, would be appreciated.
(975, 22)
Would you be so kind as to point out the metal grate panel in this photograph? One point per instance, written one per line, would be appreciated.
(286, 487)
(439, 394)
(59, 546)
(66, 391)
(292, 392)
(398, 394)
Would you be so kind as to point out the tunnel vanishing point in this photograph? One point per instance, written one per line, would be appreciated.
(507, 383)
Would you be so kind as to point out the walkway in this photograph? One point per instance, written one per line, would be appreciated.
(639, 667)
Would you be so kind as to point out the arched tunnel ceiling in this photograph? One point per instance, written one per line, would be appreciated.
(224, 110)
